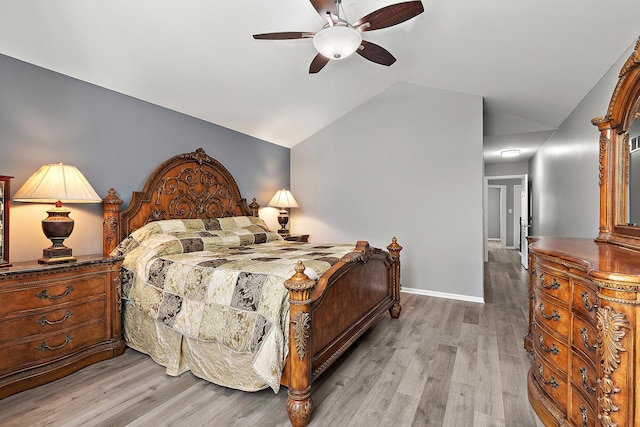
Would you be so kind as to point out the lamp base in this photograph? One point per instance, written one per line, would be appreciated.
(53, 255)
(283, 220)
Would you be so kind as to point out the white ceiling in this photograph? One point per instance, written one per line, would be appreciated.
(531, 61)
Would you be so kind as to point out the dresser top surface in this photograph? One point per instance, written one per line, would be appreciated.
(27, 266)
(601, 260)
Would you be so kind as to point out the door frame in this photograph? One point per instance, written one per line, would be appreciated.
(525, 183)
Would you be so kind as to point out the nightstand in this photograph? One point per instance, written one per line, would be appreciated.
(304, 238)
(57, 319)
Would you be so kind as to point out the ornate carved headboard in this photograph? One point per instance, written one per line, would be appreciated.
(187, 186)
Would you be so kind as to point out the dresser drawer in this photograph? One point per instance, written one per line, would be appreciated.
(553, 350)
(554, 316)
(584, 337)
(47, 347)
(46, 322)
(550, 381)
(584, 378)
(50, 293)
(585, 301)
(582, 413)
(552, 282)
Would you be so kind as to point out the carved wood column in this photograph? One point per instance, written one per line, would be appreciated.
(394, 250)
(617, 353)
(299, 404)
(111, 222)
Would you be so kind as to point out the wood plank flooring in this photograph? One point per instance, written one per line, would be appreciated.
(443, 363)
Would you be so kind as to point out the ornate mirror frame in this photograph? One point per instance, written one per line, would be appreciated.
(614, 156)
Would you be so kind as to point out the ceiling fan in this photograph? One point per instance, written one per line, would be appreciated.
(338, 38)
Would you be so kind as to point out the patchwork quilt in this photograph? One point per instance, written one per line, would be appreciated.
(221, 280)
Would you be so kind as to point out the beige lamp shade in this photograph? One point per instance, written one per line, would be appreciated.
(283, 199)
(57, 182)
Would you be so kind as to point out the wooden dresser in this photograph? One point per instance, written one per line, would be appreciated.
(584, 306)
(584, 302)
(57, 319)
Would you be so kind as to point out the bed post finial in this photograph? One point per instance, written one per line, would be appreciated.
(254, 206)
(111, 222)
(394, 250)
(299, 404)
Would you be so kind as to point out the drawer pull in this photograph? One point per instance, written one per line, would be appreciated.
(43, 294)
(585, 418)
(585, 299)
(554, 285)
(583, 373)
(552, 382)
(553, 349)
(44, 321)
(554, 314)
(44, 346)
(585, 340)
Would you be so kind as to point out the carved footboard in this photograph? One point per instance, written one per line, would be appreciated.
(328, 316)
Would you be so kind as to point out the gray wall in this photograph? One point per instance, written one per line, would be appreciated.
(408, 163)
(564, 171)
(115, 140)
(511, 168)
(493, 212)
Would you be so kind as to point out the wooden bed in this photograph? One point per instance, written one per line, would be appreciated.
(326, 316)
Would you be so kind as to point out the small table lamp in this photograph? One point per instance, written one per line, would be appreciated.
(57, 183)
(283, 199)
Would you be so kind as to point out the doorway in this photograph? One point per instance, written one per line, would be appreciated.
(514, 213)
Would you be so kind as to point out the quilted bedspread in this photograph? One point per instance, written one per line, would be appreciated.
(221, 280)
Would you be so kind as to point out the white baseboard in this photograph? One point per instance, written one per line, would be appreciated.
(443, 295)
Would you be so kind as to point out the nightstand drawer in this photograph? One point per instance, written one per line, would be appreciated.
(55, 292)
(46, 347)
(46, 322)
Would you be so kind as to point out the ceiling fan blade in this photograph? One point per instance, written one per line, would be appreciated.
(324, 6)
(390, 15)
(284, 36)
(375, 53)
(318, 63)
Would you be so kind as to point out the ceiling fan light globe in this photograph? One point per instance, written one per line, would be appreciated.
(337, 42)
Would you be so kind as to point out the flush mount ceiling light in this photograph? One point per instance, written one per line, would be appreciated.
(510, 153)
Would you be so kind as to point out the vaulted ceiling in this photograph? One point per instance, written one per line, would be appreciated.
(532, 62)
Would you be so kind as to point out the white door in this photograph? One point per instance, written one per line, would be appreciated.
(517, 209)
(524, 222)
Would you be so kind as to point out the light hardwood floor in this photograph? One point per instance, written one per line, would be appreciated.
(443, 363)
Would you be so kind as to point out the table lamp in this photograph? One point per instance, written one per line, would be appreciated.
(283, 199)
(57, 183)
